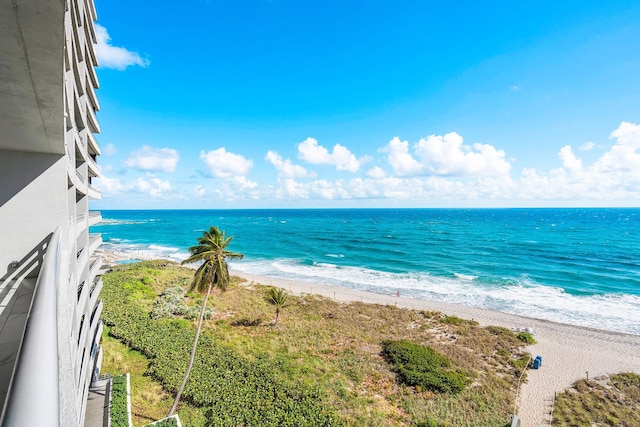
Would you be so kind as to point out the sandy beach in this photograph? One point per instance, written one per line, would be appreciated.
(569, 352)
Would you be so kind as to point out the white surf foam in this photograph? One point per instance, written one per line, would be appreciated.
(522, 296)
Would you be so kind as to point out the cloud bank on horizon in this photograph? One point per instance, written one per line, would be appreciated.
(437, 169)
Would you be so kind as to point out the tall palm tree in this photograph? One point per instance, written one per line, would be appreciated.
(277, 297)
(212, 253)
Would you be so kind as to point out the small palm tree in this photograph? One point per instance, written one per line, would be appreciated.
(213, 272)
(277, 297)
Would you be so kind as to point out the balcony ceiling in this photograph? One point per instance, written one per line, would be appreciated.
(31, 75)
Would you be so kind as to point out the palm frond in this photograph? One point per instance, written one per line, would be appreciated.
(211, 253)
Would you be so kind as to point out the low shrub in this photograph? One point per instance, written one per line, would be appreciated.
(521, 363)
(171, 304)
(500, 331)
(452, 320)
(118, 409)
(526, 338)
(421, 366)
(167, 422)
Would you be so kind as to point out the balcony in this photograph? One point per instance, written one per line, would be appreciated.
(94, 169)
(92, 119)
(81, 224)
(95, 217)
(94, 147)
(95, 240)
(81, 259)
(94, 291)
(80, 178)
(94, 193)
(91, 92)
(35, 377)
(91, 7)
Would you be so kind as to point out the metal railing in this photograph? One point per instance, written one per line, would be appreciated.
(80, 177)
(517, 397)
(81, 257)
(35, 378)
(93, 238)
(96, 281)
(93, 164)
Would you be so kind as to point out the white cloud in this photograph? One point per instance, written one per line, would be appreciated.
(440, 171)
(400, 160)
(290, 189)
(587, 146)
(115, 57)
(153, 159)
(199, 191)
(376, 172)
(445, 155)
(109, 186)
(569, 160)
(623, 157)
(109, 150)
(285, 168)
(237, 188)
(223, 164)
(340, 157)
(151, 185)
(614, 176)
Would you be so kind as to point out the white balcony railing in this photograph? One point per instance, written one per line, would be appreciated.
(95, 217)
(36, 375)
(79, 176)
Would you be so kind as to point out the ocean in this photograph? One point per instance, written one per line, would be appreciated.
(576, 266)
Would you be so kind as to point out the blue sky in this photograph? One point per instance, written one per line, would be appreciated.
(289, 103)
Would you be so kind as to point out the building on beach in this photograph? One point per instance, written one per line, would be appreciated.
(49, 274)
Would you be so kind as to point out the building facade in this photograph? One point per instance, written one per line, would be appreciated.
(49, 273)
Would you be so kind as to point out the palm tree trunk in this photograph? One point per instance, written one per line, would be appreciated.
(193, 353)
(277, 315)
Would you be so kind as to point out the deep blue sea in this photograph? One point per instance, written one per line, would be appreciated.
(577, 266)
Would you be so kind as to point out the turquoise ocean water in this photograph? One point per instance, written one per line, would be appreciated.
(578, 266)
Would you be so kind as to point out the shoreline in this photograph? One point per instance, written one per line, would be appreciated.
(569, 352)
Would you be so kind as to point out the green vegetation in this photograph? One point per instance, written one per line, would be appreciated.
(324, 366)
(118, 409)
(166, 422)
(424, 367)
(238, 391)
(608, 401)
(526, 338)
(172, 304)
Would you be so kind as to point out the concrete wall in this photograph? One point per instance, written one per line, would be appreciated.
(33, 202)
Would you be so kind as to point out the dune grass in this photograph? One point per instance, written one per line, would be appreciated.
(603, 401)
(327, 346)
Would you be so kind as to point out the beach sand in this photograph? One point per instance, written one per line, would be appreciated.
(568, 352)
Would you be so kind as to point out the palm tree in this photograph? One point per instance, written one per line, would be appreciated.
(212, 253)
(277, 297)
